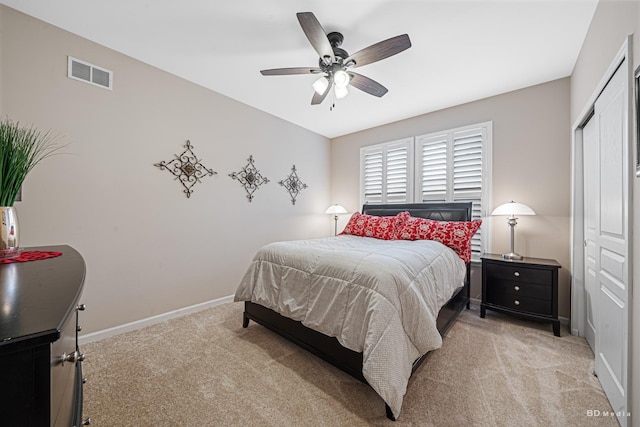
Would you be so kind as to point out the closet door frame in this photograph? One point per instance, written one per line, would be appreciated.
(578, 300)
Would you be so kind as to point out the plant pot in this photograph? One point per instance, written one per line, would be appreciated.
(9, 245)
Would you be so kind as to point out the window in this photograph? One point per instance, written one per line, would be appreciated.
(447, 166)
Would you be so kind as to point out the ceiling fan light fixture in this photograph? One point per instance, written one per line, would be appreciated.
(341, 79)
(341, 91)
(335, 63)
(320, 85)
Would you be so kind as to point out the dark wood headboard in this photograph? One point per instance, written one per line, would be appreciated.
(440, 211)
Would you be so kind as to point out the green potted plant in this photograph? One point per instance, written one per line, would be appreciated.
(21, 149)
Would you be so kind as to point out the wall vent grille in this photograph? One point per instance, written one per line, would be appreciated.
(89, 73)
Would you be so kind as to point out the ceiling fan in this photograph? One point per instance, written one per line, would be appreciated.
(335, 64)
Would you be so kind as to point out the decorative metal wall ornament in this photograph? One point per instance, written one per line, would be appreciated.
(250, 178)
(186, 168)
(293, 184)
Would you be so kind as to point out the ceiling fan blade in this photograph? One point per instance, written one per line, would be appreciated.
(367, 85)
(380, 50)
(317, 98)
(289, 71)
(316, 35)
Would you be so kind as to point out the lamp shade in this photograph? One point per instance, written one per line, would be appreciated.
(335, 209)
(341, 78)
(321, 85)
(513, 208)
(341, 92)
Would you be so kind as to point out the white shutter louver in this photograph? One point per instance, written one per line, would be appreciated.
(433, 168)
(467, 176)
(467, 167)
(397, 175)
(372, 177)
(386, 172)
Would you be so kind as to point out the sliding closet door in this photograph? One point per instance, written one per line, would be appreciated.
(611, 239)
(591, 179)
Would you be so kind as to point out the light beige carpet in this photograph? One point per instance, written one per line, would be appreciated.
(204, 369)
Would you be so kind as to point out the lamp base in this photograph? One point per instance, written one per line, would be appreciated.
(511, 255)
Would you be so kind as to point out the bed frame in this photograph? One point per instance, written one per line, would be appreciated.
(328, 348)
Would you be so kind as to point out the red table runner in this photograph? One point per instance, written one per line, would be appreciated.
(31, 256)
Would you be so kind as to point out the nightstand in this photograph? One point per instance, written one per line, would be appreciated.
(527, 288)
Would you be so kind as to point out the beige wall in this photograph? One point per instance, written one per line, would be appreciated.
(612, 22)
(149, 249)
(531, 164)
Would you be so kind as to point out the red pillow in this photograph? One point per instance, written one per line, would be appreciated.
(379, 227)
(454, 234)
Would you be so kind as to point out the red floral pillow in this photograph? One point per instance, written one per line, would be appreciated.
(379, 227)
(454, 234)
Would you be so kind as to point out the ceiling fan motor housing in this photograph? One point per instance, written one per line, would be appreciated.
(335, 39)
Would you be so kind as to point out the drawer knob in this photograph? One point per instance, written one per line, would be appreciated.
(516, 274)
(81, 307)
(84, 380)
(74, 357)
(79, 328)
(516, 302)
(516, 287)
(87, 421)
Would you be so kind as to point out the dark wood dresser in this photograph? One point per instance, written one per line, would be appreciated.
(40, 361)
(527, 288)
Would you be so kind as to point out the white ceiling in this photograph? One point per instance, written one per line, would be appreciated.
(461, 50)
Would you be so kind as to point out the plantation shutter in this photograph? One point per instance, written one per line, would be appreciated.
(467, 175)
(372, 175)
(386, 171)
(450, 168)
(432, 168)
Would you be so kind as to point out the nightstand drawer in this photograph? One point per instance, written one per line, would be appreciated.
(518, 289)
(520, 273)
(524, 305)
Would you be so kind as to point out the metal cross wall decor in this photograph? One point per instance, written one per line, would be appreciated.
(293, 184)
(186, 168)
(250, 178)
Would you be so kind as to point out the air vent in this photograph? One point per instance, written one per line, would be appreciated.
(89, 73)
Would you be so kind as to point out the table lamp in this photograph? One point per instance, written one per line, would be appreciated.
(512, 209)
(335, 210)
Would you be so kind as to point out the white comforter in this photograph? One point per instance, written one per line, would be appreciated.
(378, 297)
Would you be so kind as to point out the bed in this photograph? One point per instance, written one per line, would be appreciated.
(295, 317)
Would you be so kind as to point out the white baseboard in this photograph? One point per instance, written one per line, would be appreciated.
(117, 330)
